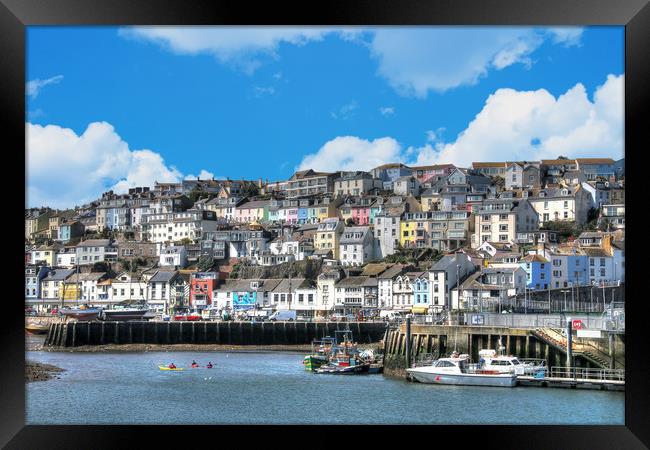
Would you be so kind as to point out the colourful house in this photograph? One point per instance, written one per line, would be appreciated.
(538, 271)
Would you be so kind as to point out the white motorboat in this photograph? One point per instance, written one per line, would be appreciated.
(458, 371)
(489, 360)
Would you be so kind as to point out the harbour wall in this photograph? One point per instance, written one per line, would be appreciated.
(74, 334)
(441, 340)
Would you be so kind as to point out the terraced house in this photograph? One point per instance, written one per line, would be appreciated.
(500, 219)
(327, 237)
(309, 182)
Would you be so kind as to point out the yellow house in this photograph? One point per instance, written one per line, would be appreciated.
(327, 236)
(430, 201)
(407, 233)
(46, 253)
(71, 289)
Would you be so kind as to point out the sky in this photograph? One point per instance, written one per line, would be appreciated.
(118, 107)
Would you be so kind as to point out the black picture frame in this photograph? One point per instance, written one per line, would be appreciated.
(15, 15)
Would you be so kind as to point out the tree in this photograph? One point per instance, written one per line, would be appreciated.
(250, 190)
(185, 241)
(205, 263)
(195, 194)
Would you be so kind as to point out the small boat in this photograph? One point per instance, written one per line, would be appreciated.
(344, 369)
(82, 312)
(187, 317)
(123, 314)
(37, 328)
(168, 368)
(458, 371)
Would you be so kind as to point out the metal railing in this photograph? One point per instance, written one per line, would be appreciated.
(583, 373)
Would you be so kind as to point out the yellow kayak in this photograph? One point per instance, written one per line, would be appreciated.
(167, 368)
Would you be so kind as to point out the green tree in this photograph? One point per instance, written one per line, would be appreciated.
(205, 263)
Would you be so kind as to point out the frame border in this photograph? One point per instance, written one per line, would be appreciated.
(15, 15)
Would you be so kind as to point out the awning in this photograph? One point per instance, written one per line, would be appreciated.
(420, 309)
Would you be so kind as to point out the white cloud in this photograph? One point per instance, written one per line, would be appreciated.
(32, 88)
(203, 175)
(532, 125)
(512, 125)
(569, 36)
(259, 91)
(240, 46)
(387, 110)
(417, 61)
(346, 111)
(352, 153)
(414, 61)
(65, 169)
(435, 136)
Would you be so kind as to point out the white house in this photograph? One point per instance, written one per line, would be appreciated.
(174, 256)
(571, 203)
(355, 246)
(444, 275)
(128, 287)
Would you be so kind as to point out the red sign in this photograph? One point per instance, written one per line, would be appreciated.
(577, 324)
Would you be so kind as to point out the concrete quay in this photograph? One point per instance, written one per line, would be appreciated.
(74, 334)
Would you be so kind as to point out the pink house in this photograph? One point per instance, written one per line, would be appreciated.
(425, 173)
(361, 214)
(292, 215)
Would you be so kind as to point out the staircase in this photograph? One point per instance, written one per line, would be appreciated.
(556, 339)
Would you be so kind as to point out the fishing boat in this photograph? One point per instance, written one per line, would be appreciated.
(344, 357)
(457, 370)
(320, 353)
(82, 312)
(172, 369)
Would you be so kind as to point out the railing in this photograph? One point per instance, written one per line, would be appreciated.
(583, 373)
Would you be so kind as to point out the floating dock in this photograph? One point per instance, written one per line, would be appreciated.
(571, 383)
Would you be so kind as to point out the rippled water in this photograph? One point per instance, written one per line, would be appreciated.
(272, 387)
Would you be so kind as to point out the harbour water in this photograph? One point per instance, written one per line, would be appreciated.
(273, 388)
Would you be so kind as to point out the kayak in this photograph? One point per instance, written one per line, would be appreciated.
(167, 368)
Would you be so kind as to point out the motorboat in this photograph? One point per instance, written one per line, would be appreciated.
(123, 314)
(489, 360)
(458, 371)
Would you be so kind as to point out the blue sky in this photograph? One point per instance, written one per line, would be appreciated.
(125, 106)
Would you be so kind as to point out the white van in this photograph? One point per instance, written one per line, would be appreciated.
(288, 315)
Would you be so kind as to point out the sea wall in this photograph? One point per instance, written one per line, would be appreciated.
(73, 334)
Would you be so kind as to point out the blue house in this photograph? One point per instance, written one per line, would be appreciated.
(420, 286)
(538, 271)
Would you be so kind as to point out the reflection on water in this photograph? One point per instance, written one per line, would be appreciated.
(244, 388)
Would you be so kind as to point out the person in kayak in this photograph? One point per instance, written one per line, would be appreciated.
(172, 366)
(209, 366)
(194, 364)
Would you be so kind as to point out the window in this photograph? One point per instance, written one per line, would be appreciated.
(545, 205)
(602, 272)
